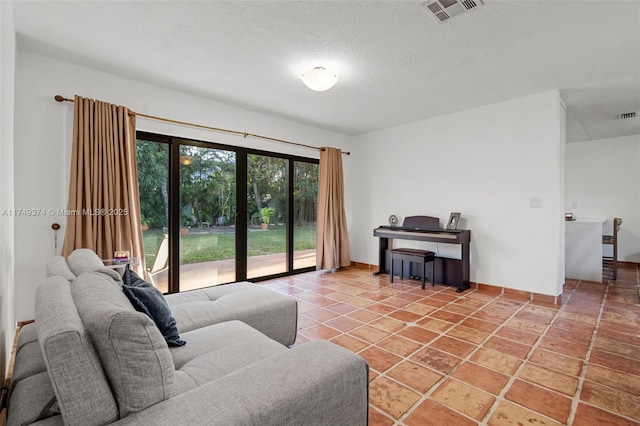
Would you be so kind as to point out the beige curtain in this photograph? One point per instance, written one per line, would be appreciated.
(332, 241)
(103, 184)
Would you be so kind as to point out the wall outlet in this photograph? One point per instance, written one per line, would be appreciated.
(535, 202)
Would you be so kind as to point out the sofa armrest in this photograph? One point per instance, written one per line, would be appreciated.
(317, 383)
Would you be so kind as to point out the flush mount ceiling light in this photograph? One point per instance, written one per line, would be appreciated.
(319, 79)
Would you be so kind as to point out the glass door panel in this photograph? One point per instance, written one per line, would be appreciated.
(305, 197)
(267, 215)
(207, 217)
(153, 186)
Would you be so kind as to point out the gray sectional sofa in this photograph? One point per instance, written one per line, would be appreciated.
(90, 358)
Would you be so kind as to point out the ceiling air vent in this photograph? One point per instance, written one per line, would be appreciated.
(627, 115)
(444, 10)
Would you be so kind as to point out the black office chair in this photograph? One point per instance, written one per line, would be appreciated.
(416, 255)
(613, 240)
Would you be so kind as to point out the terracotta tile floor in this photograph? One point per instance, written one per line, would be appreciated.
(478, 358)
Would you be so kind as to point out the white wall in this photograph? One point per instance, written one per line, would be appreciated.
(603, 181)
(43, 140)
(7, 74)
(487, 163)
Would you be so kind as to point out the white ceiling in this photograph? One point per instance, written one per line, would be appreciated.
(396, 64)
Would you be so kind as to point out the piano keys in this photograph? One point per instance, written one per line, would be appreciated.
(448, 271)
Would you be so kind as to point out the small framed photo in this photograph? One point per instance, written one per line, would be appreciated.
(454, 217)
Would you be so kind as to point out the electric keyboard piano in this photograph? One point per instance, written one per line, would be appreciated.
(448, 271)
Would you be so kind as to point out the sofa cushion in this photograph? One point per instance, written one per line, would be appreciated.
(28, 334)
(71, 360)
(218, 350)
(57, 266)
(315, 384)
(84, 260)
(50, 421)
(269, 312)
(31, 399)
(133, 353)
(28, 360)
(149, 300)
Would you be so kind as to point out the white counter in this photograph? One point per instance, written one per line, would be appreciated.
(583, 249)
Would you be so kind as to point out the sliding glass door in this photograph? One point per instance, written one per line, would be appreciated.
(267, 215)
(305, 207)
(153, 185)
(219, 214)
(207, 201)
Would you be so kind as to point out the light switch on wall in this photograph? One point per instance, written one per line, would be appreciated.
(535, 202)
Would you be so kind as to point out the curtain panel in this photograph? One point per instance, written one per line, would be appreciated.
(103, 184)
(332, 240)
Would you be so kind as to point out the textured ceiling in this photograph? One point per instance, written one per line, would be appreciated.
(396, 64)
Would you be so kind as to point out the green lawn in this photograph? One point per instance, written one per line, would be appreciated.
(207, 246)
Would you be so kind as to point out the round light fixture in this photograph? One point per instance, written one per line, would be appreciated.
(186, 160)
(319, 79)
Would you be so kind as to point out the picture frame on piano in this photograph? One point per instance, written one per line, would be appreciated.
(454, 218)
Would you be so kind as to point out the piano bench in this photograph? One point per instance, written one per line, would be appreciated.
(414, 255)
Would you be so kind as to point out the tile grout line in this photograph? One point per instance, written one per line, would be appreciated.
(404, 358)
(576, 397)
(436, 385)
(576, 400)
(467, 358)
(345, 315)
(516, 374)
(422, 346)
